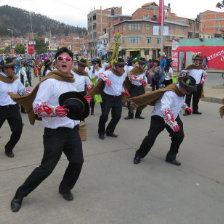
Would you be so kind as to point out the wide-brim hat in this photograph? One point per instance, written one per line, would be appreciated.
(8, 62)
(120, 62)
(82, 62)
(188, 83)
(142, 61)
(197, 57)
(76, 103)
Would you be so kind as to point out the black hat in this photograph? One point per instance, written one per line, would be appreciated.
(82, 62)
(8, 62)
(97, 60)
(188, 82)
(76, 103)
(130, 61)
(47, 62)
(196, 57)
(141, 61)
(120, 61)
(169, 60)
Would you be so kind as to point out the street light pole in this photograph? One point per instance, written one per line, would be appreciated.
(11, 37)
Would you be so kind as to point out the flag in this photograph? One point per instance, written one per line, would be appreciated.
(161, 12)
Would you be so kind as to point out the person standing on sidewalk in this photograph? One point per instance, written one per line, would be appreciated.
(195, 70)
(167, 105)
(61, 130)
(168, 71)
(9, 110)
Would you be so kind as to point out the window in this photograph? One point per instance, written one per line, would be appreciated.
(94, 17)
(94, 35)
(146, 17)
(148, 26)
(146, 52)
(158, 40)
(134, 40)
(104, 30)
(123, 40)
(148, 40)
(94, 26)
(173, 27)
(134, 26)
(182, 28)
(167, 37)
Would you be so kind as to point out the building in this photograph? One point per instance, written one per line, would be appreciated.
(142, 35)
(101, 21)
(212, 22)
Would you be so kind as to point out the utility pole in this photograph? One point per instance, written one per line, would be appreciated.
(161, 26)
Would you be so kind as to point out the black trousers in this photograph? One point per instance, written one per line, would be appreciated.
(12, 115)
(113, 103)
(196, 97)
(56, 141)
(157, 125)
(155, 84)
(135, 91)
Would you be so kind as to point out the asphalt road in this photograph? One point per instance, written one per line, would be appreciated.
(111, 189)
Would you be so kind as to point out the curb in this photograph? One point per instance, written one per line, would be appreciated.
(212, 100)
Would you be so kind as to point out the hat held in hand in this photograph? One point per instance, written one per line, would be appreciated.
(76, 103)
(188, 83)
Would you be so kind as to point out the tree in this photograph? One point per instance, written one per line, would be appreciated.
(220, 4)
(40, 46)
(20, 49)
(7, 49)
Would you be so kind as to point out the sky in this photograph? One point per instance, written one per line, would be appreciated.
(73, 12)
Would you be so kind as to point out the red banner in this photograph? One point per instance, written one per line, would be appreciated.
(161, 12)
(215, 55)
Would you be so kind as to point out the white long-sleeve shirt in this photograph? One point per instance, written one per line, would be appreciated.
(116, 87)
(81, 81)
(137, 81)
(169, 100)
(49, 92)
(96, 73)
(196, 74)
(16, 87)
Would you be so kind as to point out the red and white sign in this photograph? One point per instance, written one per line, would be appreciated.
(30, 47)
(214, 54)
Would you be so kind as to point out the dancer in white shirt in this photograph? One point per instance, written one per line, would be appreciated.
(168, 102)
(61, 130)
(9, 110)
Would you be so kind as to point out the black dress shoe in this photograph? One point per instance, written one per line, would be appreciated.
(173, 162)
(140, 117)
(197, 112)
(9, 153)
(16, 203)
(101, 136)
(111, 135)
(137, 159)
(67, 196)
(127, 118)
(186, 113)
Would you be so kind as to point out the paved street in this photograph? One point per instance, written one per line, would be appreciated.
(112, 189)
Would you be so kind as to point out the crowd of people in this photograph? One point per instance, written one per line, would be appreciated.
(67, 91)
